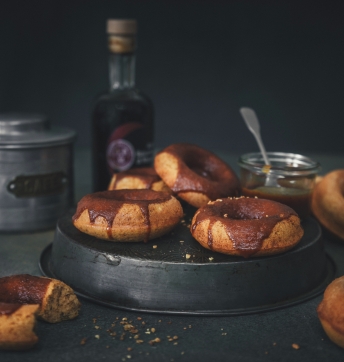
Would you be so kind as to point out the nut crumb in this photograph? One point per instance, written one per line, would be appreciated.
(155, 246)
(83, 341)
(152, 330)
(139, 318)
(139, 341)
(295, 346)
(96, 327)
(124, 319)
(181, 241)
(97, 336)
(187, 256)
(94, 320)
(153, 341)
(128, 327)
(211, 258)
(175, 343)
(190, 326)
(224, 334)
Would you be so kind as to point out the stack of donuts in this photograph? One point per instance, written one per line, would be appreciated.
(142, 204)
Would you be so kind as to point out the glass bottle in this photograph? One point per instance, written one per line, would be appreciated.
(123, 118)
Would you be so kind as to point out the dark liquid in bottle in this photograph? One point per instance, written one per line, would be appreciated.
(122, 134)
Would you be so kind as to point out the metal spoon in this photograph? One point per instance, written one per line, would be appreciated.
(252, 124)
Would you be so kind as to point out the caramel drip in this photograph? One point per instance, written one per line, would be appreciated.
(201, 171)
(147, 175)
(107, 204)
(8, 308)
(23, 289)
(248, 222)
(210, 233)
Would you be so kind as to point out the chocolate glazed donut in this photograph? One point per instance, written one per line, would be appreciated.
(246, 227)
(195, 174)
(127, 215)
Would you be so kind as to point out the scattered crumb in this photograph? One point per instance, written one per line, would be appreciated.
(96, 327)
(155, 246)
(175, 343)
(211, 258)
(266, 215)
(153, 341)
(295, 346)
(225, 215)
(83, 341)
(137, 336)
(128, 327)
(152, 330)
(97, 336)
(128, 356)
(94, 320)
(190, 326)
(187, 256)
(274, 344)
(107, 346)
(224, 334)
(124, 319)
(181, 241)
(139, 318)
(139, 341)
(159, 320)
(129, 349)
(175, 337)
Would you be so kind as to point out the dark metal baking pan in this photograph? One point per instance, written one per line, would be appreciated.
(157, 277)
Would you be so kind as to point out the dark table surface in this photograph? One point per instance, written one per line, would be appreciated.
(268, 336)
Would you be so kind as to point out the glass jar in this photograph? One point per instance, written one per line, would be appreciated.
(289, 179)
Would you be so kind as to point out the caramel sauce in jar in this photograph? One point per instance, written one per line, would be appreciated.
(298, 199)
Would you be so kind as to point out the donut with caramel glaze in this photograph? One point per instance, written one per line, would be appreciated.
(17, 323)
(57, 301)
(138, 178)
(328, 202)
(331, 311)
(246, 227)
(195, 174)
(127, 215)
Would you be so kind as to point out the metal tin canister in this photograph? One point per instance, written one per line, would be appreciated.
(36, 172)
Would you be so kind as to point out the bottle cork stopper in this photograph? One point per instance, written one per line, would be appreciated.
(121, 26)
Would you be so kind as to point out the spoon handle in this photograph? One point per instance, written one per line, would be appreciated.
(252, 124)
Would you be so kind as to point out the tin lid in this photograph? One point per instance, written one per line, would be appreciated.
(22, 130)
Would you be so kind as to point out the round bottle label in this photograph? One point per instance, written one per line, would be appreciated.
(120, 155)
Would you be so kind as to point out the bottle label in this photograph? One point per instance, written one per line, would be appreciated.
(120, 155)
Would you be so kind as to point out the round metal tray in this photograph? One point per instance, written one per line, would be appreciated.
(175, 274)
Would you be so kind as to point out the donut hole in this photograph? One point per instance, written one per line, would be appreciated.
(202, 166)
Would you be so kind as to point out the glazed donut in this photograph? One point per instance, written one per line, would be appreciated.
(331, 311)
(57, 301)
(195, 174)
(246, 227)
(127, 215)
(16, 326)
(138, 178)
(328, 202)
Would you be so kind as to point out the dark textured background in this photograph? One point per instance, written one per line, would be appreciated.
(200, 61)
